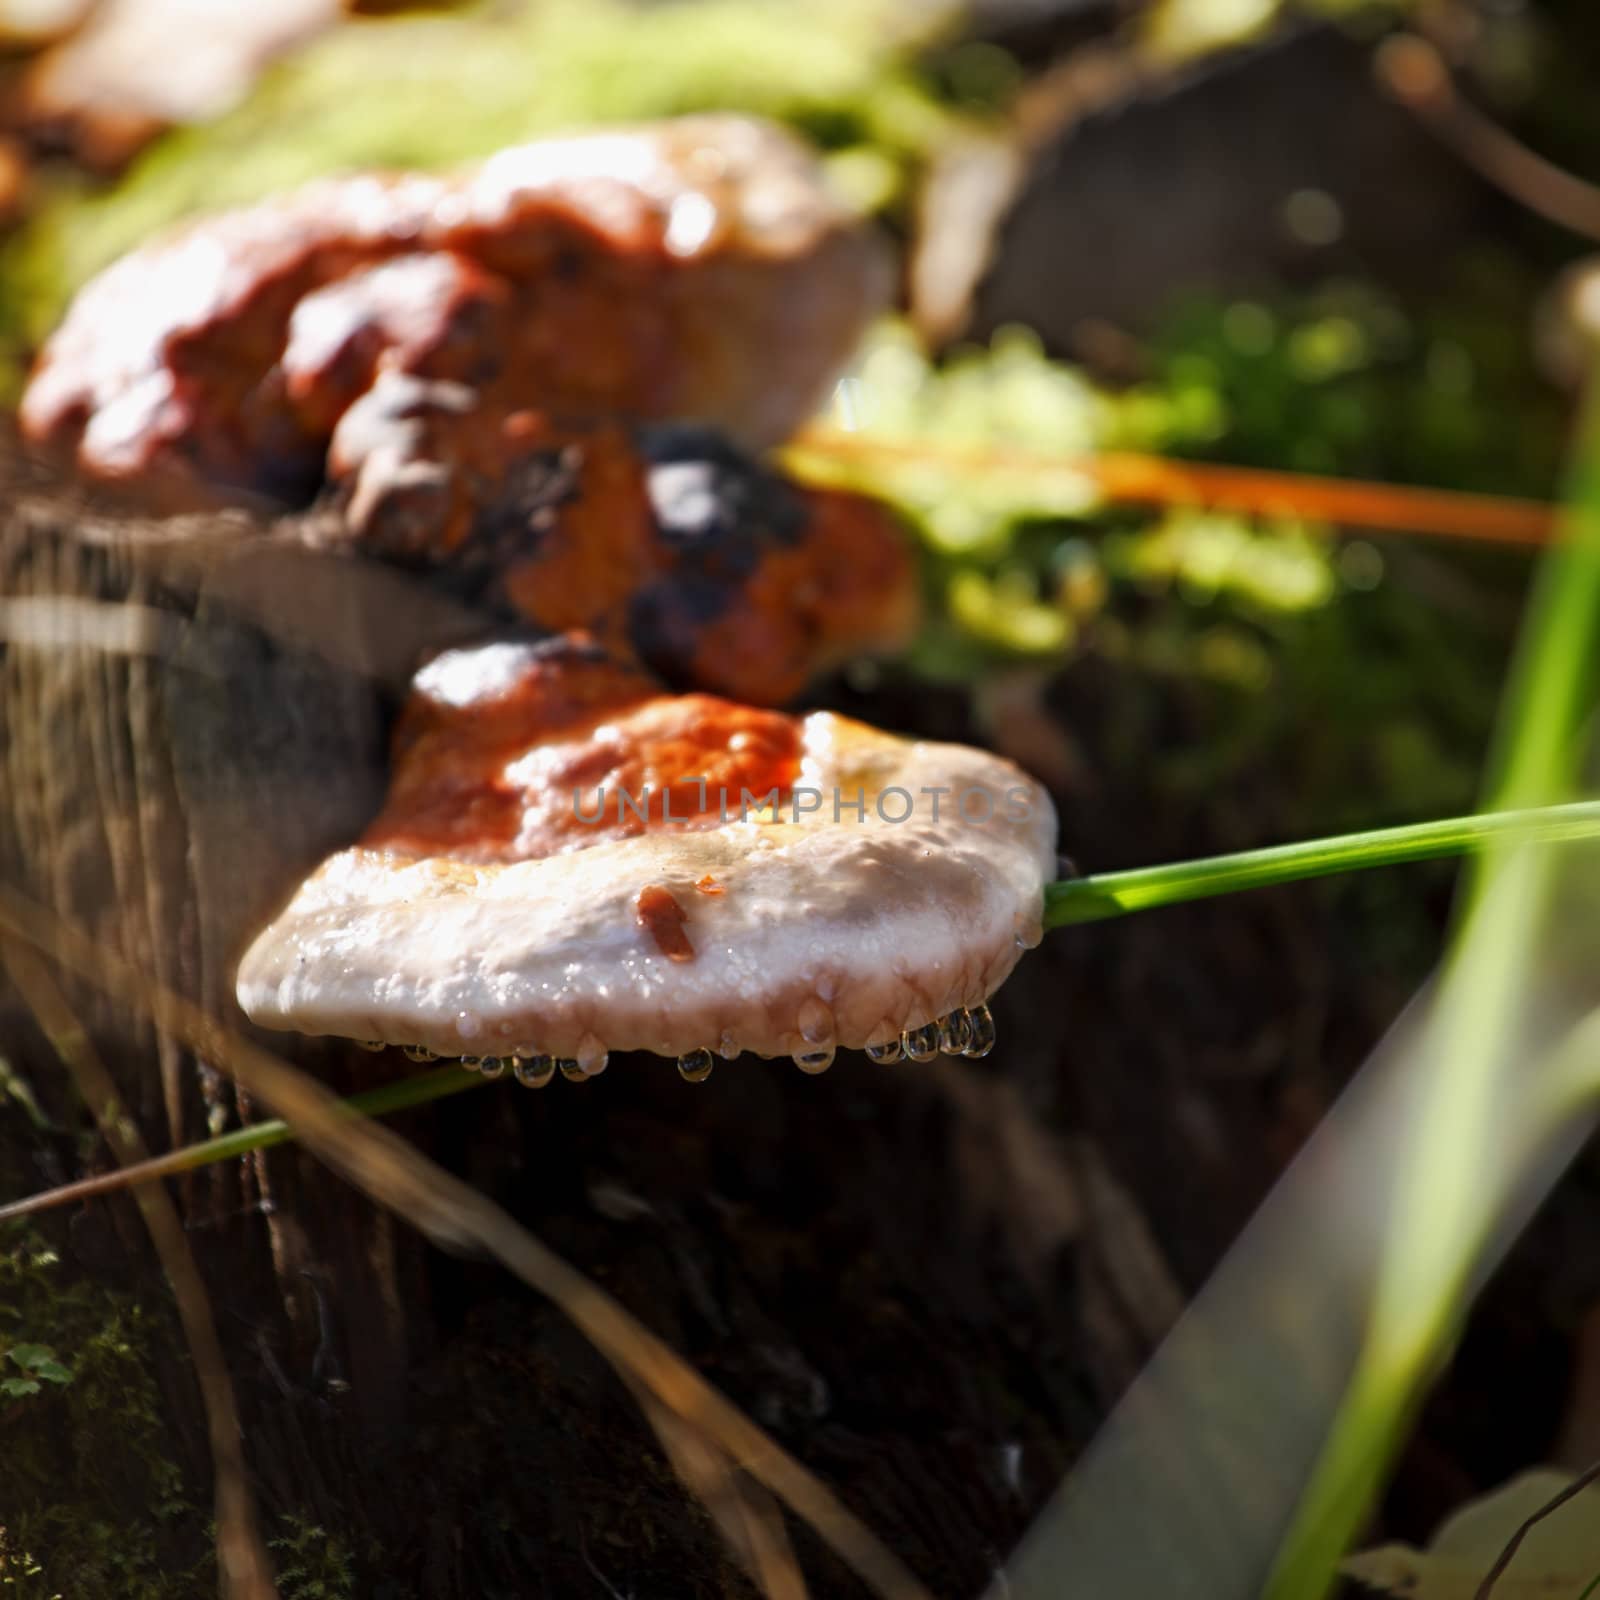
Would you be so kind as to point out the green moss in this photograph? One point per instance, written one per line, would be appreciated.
(92, 1501)
(1348, 379)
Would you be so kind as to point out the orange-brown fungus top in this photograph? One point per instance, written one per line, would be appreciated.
(514, 751)
(695, 268)
(847, 587)
(665, 544)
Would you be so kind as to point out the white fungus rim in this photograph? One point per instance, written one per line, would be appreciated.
(828, 931)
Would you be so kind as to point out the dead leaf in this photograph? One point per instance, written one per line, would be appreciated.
(1559, 1556)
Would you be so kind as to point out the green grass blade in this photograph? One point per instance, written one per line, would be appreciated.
(418, 1089)
(1455, 1181)
(1114, 894)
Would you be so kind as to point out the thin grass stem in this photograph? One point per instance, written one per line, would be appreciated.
(1115, 894)
(416, 1090)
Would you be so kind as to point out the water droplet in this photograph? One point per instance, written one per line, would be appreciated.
(420, 1052)
(815, 1020)
(492, 1066)
(814, 1061)
(955, 1032)
(982, 1040)
(571, 1070)
(694, 1066)
(889, 1050)
(374, 1045)
(921, 1044)
(728, 1047)
(593, 1056)
(472, 1063)
(534, 1072)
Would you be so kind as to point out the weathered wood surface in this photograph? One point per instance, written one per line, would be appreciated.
(193, 713)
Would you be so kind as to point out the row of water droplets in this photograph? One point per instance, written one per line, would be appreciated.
(964, 1032)
(531, 1070)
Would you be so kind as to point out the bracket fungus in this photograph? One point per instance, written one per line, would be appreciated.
(534, 385)
(571, 862)
(693, 269)
(664, 542)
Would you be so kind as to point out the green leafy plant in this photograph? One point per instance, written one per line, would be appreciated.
(79, 1517)
(312, 1564)
(39, 1365)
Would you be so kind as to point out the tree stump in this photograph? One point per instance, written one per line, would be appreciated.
(193, 712)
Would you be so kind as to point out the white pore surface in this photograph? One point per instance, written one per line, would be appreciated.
(826, 930)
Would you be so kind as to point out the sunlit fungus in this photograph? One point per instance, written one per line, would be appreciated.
(696, 269)
(664, 542)
(571, 862)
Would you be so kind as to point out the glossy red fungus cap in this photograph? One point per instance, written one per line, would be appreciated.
(696, 269)
(571, 862)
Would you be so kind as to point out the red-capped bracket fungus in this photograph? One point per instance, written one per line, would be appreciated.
(663, 541)
(695, 269)
(571, 863)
